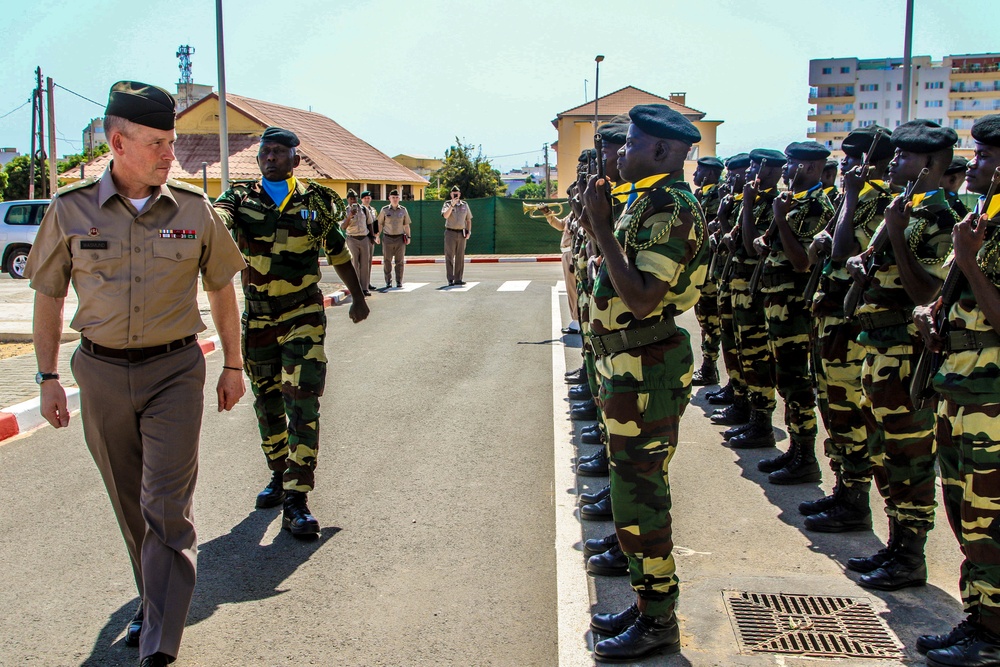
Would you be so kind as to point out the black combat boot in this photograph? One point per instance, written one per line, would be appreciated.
(647, 636)
(778, 462)
(599, 511)
(963, 630)
(296, 518)
(592, 436)
(851, 513)
(866, 564)
(595, 467)
(707, 375)
(611, 563)
(982, 649)
(723, 396)
(585, 411)
(760, 433)
(739, 428)
(810, 507)
(274, 493)
(907, 566)
(599, 545)
(589, 498)
(802, 469)
(612, 625)
(580, 392)
(579, 376)
(737, 413)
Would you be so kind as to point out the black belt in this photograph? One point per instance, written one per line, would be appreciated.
(966, 339)
(741, 270)
(779, 278)
(449, 229)
(627, 339)
(358, 236)
(279, 304)
(394, 236)
(135, 354)
(884, 319)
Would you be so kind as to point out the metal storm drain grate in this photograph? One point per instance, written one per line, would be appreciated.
(810, 625)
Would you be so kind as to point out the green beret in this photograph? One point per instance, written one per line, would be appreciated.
(587, 155)
(661, 121)
(710, 163)
(807, 150)
(393, 193)
(738, 161)
(351, 194)
(143, 104)
(613, 133)
(860, 141)
(923, 136)
(280, 135)
(958, 164)
(455, 188)
(774, 158)
(986, 130)
(366, 193)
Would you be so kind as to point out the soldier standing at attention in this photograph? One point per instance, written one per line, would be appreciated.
(967, 417)
(281, 225)
(133, 244)
(358, 225)
(954, 176)
(394, 223)
(457, 230)
(654, 261)
(706, 178)
(909, 272)
(829, 181)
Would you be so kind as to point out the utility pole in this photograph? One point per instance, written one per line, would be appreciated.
(41, 132)
(53, 183)
(223, 121)
(34, 134)
(548, 188)
(907, 61)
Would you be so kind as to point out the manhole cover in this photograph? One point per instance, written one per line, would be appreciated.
(809, 625)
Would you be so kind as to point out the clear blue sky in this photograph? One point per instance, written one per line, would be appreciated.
(408, 77)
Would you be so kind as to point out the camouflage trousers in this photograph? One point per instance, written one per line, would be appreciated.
(838, 362)
(901, 440)
(789, 326)
(286, 362)
(642, 430)
(754, 351)
(967, 437)
(727, 338)
(707, 312)
(589, 360)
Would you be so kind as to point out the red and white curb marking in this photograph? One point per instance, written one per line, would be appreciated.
(27, 416)
(470, 260)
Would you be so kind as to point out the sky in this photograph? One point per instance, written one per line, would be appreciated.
(410, 77)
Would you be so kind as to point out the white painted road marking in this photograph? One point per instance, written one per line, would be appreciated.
(459, 288)
(514, 286)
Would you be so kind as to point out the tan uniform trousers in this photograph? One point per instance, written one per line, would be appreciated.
(393, 250)
(570, 278)
(454, 254)
(142, 423)
(361, 258)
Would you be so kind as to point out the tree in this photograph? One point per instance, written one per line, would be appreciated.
(474, 176)
(17, 178)
(77, 158)
(530, 191)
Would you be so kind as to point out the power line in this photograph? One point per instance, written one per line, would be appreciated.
(26, 103)
(79, 95)
(494, 157)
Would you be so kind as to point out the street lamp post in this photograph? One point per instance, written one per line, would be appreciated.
(597, 88)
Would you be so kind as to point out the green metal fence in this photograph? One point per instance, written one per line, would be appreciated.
(499, 227)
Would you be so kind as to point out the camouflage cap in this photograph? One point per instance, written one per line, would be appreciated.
(142, 104)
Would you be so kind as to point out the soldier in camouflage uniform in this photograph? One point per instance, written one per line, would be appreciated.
(839, 357)
(799, 215)
(706, 177)
(909, 272)
(829, 180)
(968, 416)
(954, 176)
(654, 259)
(281, 225)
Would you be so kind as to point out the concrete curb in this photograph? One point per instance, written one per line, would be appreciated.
(26, 416)
(477, 260)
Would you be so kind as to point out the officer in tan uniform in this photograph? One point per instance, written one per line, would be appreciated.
(394, 223)
(359, 225)
(133, 244)
(457, 230)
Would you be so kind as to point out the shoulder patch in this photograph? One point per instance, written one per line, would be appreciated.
(79, 185)
(185, 187)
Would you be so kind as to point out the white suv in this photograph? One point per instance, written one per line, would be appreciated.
(19, 221)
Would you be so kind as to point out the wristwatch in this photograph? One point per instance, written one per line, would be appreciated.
(42, 377)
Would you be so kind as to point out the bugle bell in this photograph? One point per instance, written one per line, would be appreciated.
(536, 210)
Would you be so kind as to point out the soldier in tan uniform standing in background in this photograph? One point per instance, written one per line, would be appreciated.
(133, 244)
(359, 225)
(394, 222)
(457, 230)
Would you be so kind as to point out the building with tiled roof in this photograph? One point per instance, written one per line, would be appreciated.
(576, 126)
(329, 154)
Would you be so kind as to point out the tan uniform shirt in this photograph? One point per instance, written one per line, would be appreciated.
(363, 217)
(135, 273)
(394, 221)
(460, 215)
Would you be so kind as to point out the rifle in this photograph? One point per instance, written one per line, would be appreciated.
(758, 271)
(922, 378)
(727, 268)
(876, 246)
(713, 242)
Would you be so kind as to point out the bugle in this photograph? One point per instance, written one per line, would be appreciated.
(538, 211)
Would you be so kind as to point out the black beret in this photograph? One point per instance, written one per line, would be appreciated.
(860, 141)
(366, 193)
(661, 121)
(711, 162)
(738, 161)
(455, 188)
(393, 193)
(831, 164)
(774, 158)
(588, 155)
(351, 194)
(143, 104)
(280, 135)
(807, 150)
(923, 136)
(986, 130)
(613, 133)
(958, 164)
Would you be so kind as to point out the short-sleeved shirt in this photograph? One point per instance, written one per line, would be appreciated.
(460, 215)
(135, 273)
(394, 220)
(362, 222)
(928, 235)
(282, 248)
(809, 213)
(664, 234)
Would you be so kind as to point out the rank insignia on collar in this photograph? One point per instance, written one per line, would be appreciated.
(93, 231)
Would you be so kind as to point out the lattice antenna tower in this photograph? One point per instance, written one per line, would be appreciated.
(184, 53)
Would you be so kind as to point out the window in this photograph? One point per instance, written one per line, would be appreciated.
(827, 70)
(869, 105)
(845, 70)
(899, 104)
(899, 86)
(407, 193)
(930, 104)
(828, 107)
(376, 190)
(934, 85)
(956, 124)
(25, 214)
(356, 187)
(831, 91)
(869, 87)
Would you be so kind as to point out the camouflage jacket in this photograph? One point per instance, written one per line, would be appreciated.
(709, 197)
(763, 214)
(809, 213)
(282, 248)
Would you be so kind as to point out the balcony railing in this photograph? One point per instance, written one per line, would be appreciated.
(961, 87)
(975, 69)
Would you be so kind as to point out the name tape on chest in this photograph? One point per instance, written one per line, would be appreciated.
(178, 234)
(93, 245)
